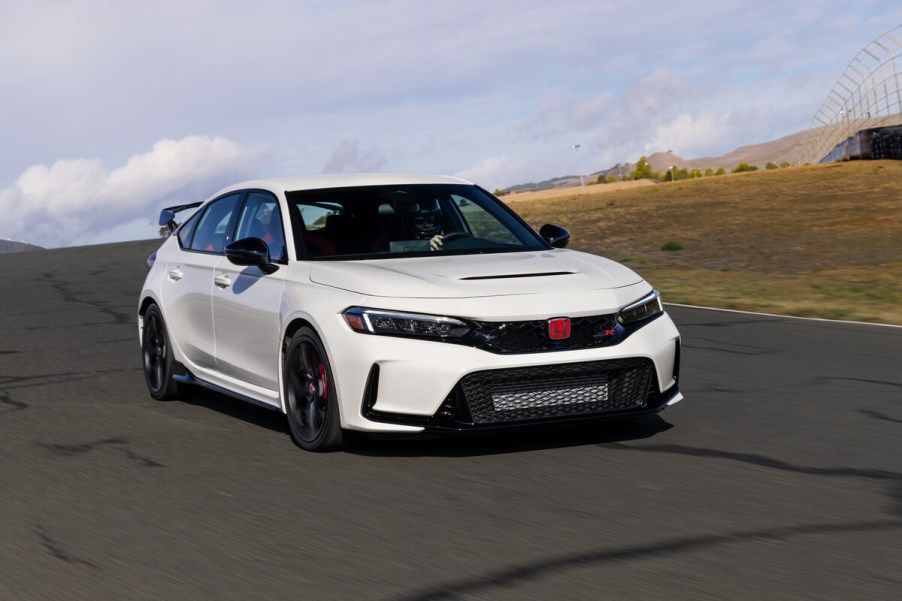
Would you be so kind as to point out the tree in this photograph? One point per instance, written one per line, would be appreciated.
(771, 165)
(695, 173)
(709, 172)
(643, 170)
(744, 167)
(720, 171)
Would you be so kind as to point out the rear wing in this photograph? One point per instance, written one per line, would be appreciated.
(167, 215)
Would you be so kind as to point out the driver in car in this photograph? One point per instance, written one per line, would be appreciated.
(413, 221)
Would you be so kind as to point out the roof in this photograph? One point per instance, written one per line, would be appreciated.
(340, 180)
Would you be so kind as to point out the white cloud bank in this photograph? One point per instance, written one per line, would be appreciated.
(80, 202)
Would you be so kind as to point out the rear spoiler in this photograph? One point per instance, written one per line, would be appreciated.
(167, 215)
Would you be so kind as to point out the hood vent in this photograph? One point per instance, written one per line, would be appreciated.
(518, 275)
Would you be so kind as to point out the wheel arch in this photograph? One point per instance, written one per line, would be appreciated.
(145, 304)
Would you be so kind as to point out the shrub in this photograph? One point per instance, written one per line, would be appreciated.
(672, 245)
(744, 167)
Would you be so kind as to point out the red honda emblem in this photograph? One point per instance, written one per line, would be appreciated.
(559, 328)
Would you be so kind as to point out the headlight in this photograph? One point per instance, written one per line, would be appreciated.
(645, 308)
(394, 323)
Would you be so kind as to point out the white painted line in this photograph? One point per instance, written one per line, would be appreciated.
(859, 323)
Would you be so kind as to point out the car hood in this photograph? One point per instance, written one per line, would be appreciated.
(559, 271)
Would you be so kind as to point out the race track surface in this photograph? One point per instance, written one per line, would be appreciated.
(779, 476)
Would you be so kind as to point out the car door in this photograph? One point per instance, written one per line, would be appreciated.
(246, 300)
(188, 282)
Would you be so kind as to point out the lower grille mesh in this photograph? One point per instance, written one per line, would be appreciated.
(571, 389)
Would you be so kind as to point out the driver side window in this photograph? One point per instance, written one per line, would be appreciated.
(261, 218)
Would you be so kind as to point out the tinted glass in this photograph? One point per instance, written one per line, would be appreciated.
(261, 218)
(213, 233)
(406, 220)
(187, 230)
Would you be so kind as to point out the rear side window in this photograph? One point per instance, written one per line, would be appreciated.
(213, 232)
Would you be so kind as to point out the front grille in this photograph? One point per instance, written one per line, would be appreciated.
(551, 391)
(508, 337)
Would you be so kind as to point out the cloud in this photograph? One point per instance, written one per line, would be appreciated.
(404, 85)
(693, 134)
(351, 156)
(557, 118)
(499, 171)
(79, 201)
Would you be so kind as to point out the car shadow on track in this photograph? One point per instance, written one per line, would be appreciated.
(256, 415)
(513, 441)
(452, 445)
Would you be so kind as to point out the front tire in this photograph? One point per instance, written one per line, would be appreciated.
(310, 400)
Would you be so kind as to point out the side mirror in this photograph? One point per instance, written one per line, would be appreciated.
(249, 252)
(555, 235)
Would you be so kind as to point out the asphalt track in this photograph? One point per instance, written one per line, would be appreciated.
(779, 476)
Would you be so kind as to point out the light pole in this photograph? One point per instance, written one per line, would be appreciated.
(582, 182)
(671, 173)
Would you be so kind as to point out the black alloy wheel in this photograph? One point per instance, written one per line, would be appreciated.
(311, 405)
(157, 357)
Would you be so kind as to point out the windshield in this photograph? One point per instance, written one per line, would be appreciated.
(377, 222)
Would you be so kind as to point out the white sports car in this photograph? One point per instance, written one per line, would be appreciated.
(397, 303)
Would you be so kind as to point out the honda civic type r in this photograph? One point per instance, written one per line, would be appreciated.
(397, 303)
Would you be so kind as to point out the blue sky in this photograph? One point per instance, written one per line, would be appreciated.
(111, 110)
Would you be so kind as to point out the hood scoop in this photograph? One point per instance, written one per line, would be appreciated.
(518, 275)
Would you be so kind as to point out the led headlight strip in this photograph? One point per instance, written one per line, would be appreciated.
(396, 323)
(645, 308)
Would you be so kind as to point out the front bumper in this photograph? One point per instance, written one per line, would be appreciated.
(508, 398)
(388, 384)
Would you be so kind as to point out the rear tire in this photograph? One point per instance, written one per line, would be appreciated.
(310, 400)
(157, 357)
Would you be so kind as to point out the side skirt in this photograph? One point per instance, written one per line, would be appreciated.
(188, 378)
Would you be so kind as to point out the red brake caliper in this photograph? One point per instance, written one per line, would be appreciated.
(322, 378)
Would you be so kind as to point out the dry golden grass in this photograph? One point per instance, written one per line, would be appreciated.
(822, 241)
(577, 191)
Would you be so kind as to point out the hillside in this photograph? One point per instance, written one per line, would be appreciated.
(753, 154)
(11, 246)
(823, 240)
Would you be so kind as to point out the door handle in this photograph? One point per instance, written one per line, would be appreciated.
(223, 280)
(176, 274)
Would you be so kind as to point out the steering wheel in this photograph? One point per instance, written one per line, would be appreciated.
(456, 236)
